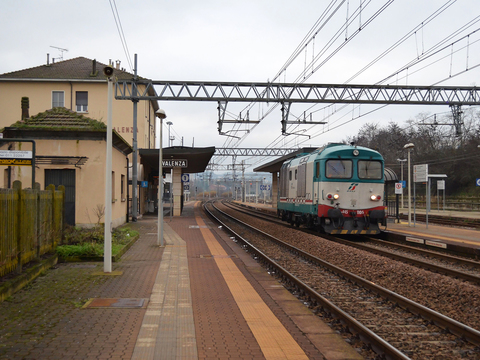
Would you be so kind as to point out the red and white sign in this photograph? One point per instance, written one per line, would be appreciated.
(398, 188)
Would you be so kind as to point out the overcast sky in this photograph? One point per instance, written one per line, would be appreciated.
(251, 40)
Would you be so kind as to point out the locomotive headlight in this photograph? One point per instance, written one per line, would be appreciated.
(375, 197)
(332, 197)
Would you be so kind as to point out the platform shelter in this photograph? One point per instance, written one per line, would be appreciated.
(177, 160)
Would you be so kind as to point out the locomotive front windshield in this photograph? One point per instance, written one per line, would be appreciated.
(338, 169)
(370, 169)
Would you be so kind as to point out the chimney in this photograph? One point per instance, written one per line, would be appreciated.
(94, 72)
(117, 64)
(25, 107)
(48, 59)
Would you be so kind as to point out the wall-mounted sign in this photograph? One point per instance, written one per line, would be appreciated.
(175, 163)
(15, 157)
(15, 154)
(16, 162)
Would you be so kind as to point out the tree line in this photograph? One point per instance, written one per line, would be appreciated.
(446, 148)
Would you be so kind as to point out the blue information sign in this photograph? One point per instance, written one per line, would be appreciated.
(144, 184)
(478, 182)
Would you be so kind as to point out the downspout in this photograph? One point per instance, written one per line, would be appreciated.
(128, 192)
(149, 125)
(71, 95)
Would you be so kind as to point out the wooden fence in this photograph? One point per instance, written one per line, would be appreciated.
(31, 224)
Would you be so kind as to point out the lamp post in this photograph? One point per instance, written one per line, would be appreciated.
(107, 231)
(409, 147)
(169, 123)
(161, 115)
(401, 174)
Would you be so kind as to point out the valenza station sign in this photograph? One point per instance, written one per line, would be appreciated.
(15, 157)
(180, 163)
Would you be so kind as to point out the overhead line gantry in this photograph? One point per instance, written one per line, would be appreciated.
(289, 93)
(296, 93)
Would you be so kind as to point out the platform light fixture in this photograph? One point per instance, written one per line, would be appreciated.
(409, 147)
(160, 113)
(169, 123)
(107, 232)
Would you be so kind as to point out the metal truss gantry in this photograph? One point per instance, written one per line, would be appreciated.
(296, 93)
(288, 93)
(253, 151)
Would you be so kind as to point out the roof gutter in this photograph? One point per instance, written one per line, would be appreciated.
(52, 80)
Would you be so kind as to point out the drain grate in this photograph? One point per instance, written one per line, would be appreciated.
(84, 266)
(116, 303)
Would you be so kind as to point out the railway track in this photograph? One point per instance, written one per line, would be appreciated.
(355, 298)
(445, 220)
(453, 266)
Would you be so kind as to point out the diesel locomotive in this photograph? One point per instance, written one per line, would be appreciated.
(338, 189)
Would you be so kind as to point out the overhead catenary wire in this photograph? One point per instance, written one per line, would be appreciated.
(310, 37)
(123, 40)
(422, 55)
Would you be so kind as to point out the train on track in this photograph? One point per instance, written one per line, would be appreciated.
(338, 189)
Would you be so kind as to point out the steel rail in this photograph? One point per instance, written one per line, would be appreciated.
(455, 327)
(419, 263)
(426, 252)
(444, 220)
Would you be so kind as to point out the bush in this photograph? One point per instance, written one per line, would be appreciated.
(81, 242)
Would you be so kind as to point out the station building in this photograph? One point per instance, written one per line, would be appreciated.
(68, 100)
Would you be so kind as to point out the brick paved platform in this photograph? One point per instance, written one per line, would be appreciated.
(199, 297)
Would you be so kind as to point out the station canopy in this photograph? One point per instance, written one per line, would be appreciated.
(196, 158)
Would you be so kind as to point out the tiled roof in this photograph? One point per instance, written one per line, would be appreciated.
(63, 123)
(78, 68)
(60, 118)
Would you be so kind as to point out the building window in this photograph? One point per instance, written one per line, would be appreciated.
(82, 101)
(58, 99)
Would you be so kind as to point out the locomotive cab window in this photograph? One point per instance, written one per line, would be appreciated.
(338, 169)
(369, 169)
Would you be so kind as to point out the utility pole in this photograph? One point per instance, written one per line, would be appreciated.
(134, 156)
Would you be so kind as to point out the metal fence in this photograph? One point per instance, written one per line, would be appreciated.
(31, 224)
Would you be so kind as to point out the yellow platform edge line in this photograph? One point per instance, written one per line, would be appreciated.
(272, 337)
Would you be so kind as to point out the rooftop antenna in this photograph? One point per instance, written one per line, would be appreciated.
(61, 53)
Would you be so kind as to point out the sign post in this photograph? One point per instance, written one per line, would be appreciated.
(440, 186)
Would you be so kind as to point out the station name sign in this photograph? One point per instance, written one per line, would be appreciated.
(15, 157)
(175, 163)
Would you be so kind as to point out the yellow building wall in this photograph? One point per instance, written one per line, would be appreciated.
(89, 178)
(40, 99)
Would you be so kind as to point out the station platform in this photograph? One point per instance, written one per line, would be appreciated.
(198, 297)
(440, 235)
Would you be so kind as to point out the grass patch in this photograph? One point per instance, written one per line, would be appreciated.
(81, 242)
